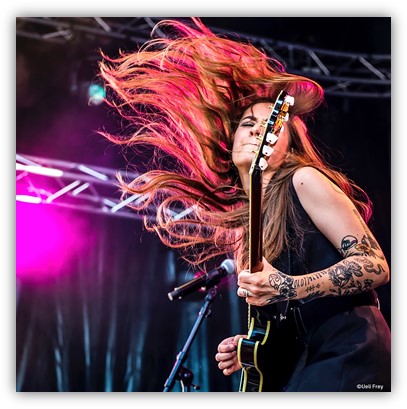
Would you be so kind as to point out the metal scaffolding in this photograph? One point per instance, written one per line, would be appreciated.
(342, 74)
(73, 185)
(94, 189)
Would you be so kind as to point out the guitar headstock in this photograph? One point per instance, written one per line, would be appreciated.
(272, 129)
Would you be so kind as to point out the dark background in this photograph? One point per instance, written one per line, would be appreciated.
(123, 333)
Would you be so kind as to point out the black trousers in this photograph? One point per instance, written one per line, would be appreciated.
(350, 352)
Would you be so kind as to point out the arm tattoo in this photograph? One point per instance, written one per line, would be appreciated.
(307, 280)
(312, 288)
(369, 267)
(282, 283)
(367, 247)
(349, 276)
(316, 294)
(343, 278)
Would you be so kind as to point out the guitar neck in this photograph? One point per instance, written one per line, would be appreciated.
(251, 350)
(255, 221)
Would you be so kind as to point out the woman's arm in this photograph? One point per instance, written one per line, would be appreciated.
(363, 266)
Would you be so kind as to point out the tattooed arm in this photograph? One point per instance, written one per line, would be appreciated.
(363, 266)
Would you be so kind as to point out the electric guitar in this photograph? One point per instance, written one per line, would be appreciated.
(251, 349)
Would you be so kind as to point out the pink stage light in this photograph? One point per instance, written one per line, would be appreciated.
(40, 170)
(46, 242)
(28, 199)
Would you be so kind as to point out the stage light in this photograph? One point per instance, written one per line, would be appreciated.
(39, 170)
(92, 172)
(48, 241)
(96, 94)
(28, 199)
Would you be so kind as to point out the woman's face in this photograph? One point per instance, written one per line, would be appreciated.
(245, 141)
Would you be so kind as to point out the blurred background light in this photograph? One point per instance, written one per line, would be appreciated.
(96, 94)
(46, 242)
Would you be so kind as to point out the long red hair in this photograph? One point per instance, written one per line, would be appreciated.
(182, 96)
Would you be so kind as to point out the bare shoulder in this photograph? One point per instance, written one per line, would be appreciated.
(308, 178)
(311, 184)
(307, 173)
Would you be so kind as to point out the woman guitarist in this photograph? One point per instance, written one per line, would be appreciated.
(202, 102)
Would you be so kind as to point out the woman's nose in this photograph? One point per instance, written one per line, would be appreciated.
(256, 130)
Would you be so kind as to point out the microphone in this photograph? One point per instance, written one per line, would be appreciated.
(207, 281)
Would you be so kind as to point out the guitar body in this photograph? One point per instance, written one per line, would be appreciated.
(253, 350)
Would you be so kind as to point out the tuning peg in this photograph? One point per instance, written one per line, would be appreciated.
(271, 138)
(289, 99)
(287, 115)
(262, 163)
(267, 150)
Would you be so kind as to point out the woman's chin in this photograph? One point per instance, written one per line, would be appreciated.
(243, 160)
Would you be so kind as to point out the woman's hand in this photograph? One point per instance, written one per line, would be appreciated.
(227, 355)
(265, 287)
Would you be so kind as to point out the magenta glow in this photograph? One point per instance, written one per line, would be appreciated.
(46, 241)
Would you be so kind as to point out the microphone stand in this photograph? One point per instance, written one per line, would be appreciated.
(179, 372)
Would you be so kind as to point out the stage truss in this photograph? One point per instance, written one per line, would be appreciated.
(46, 181)
(94, 189)
(342, 74)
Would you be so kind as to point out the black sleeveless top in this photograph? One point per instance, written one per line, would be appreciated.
(292, 321)
(311, 252)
